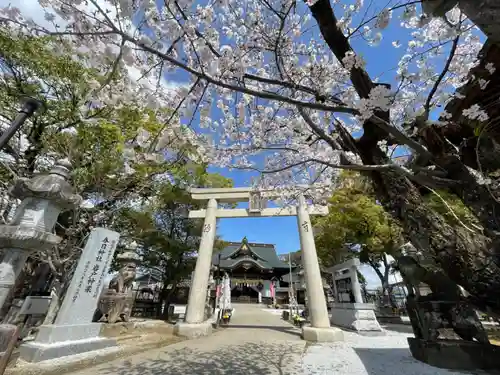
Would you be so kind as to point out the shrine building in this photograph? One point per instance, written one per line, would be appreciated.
(255, 271)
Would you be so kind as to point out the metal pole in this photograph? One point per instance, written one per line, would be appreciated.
(291, 284)
(29, 108)
(219, 283)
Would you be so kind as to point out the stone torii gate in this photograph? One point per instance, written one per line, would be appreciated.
(194, 324)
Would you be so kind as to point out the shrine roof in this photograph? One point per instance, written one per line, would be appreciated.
(265, 255)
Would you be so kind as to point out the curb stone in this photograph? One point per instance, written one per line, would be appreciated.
(59, 367)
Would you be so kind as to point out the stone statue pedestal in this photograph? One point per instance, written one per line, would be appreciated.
(53, 341)
(359, 317)
(316, 334)
(115, 306)
(456, 354)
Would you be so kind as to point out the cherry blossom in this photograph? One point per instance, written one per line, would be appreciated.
(261, 83)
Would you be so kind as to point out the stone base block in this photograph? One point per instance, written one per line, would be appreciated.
(193, 330)
(53, 341)
(456, 354)
(359, 317)
(314, 334)
(390, 319)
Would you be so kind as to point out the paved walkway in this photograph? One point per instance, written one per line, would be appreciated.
(256, 343)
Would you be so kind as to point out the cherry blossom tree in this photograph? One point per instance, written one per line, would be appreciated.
(282, 81)
(484, 13)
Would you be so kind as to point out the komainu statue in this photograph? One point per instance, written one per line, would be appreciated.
(116, 302)
(444, 307)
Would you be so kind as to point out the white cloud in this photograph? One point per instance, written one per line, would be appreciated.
(31, 9)
(170, 86)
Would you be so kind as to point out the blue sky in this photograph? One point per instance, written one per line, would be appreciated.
(282, 231)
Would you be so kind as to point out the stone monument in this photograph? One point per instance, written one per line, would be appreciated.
(43, 197)
(355, 315)
(73, 332)
(116, 302)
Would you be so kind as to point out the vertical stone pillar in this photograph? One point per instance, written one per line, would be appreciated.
(314, 284)
(43, 197)
(320, 329)
(355, 285)
(198, 291)
(335, 291)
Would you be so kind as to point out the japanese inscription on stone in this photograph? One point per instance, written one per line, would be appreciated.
(257, 202)
(206, 228)
(81, 299)
(305, 225)
(98, 288)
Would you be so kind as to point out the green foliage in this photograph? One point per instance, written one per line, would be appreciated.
(25, 55)
(100, 142)
(165, 235)
(294, 256)
(219, 245)
(109, 166)
(93, 139)
(453, 203)
(356, 226)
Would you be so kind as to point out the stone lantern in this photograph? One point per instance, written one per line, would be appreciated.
(43, 198)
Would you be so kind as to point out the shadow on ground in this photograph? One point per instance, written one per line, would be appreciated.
(249, 359)
(395, 361)
(402, 328)
(290, 330)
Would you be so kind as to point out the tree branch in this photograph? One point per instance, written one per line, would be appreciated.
(427, 104)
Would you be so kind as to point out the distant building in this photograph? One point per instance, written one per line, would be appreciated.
(252, 268)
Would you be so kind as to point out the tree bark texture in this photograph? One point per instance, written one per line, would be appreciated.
(485, 14)
(468, 258)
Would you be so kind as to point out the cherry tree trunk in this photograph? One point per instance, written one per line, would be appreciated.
(485, 14)
(466, 257)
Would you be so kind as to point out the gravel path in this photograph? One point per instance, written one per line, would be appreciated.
(258, 342)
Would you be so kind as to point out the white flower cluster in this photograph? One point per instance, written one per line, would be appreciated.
(475, 113)
(250, 71)
(351, 60)
(380, 98)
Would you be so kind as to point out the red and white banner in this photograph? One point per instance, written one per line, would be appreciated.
(272, 290)
(218, 291)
